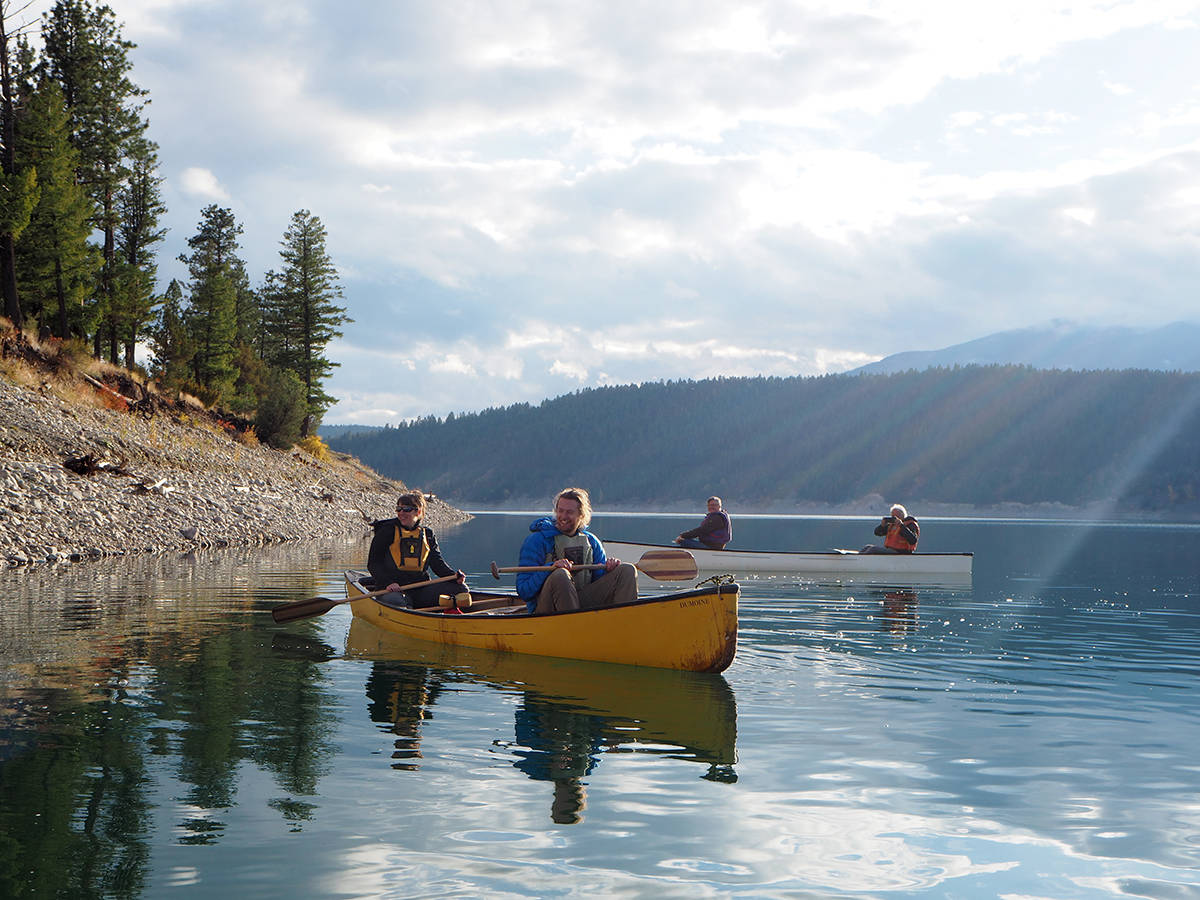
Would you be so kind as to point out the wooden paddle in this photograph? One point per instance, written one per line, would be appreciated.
(661, 565)
(318, 606)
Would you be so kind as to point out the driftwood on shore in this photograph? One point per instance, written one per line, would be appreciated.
(89, 464)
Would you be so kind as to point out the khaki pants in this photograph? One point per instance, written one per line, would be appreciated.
(558, 594)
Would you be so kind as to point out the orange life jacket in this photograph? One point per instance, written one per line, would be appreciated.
(896, 540)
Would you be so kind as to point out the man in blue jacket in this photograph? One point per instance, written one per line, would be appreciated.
(564, 543)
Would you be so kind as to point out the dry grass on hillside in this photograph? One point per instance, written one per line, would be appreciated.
(68, 371)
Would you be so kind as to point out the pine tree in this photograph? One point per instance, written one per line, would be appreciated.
(211, 316)
(248, 360)
(250, 380)
(169, 340)
(307, 288)
(247, 310)
(270, 337)
(56, 263)
(209, 319)
(140, 206)
(18, 184)
(85, 53)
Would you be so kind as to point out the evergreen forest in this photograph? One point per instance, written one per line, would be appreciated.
(81, 203)
(962, 437)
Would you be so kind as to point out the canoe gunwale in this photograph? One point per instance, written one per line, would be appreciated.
(438, 613)
(848, 562)
(916, 554)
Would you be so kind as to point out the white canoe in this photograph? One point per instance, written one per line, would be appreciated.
(842, 563)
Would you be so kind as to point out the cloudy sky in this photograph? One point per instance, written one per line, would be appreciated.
(528, 198)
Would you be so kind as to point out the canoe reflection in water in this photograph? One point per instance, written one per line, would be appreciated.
(899, 611)
(570, 713)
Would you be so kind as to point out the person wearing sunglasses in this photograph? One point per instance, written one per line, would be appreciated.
(404, 551)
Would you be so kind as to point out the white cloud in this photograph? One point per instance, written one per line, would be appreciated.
(570, 369)
(202, 184)
(1080, 214)
(560, 196)
(451, 364)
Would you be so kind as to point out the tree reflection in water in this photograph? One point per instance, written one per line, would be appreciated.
(87, 737)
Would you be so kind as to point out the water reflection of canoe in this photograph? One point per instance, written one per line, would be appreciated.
(693, 630)
(686, 715)
(847, 563)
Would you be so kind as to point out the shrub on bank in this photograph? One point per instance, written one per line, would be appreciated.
(316, 448)
(282, 409)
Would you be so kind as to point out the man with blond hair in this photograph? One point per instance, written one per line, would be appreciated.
(563, 542)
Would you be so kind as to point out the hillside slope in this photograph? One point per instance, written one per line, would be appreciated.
(81, 480)
(976, 437)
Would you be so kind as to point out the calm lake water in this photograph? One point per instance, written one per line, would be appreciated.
(1032, 732)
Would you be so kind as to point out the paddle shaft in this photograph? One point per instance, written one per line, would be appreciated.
(495, 570)
(661, 565)
(318, 606)
(403, 587)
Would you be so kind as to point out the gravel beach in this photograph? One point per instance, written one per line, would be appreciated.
(166, 483)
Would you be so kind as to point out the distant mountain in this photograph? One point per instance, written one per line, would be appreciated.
(1062, 345)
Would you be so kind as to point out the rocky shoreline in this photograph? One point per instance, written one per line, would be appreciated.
(165, 483)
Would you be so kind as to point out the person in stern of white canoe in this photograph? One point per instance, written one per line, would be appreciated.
(713, 533)
(563, 542)
(403, 550)
(899, 531)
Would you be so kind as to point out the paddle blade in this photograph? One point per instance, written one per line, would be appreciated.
(668, 565)
(302, 609)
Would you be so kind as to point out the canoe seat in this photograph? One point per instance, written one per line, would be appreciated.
(515, 609)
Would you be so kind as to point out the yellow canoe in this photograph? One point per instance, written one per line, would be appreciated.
(692, 630)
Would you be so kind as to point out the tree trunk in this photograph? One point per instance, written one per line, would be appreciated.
(8, 274)
(8, 256)
(63, 324)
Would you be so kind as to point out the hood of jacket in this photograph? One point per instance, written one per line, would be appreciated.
(545, 524)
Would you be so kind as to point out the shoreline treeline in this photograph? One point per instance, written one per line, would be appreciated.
(970, 436)
(80, 222)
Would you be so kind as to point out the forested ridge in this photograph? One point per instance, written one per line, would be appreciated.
(975, 436)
